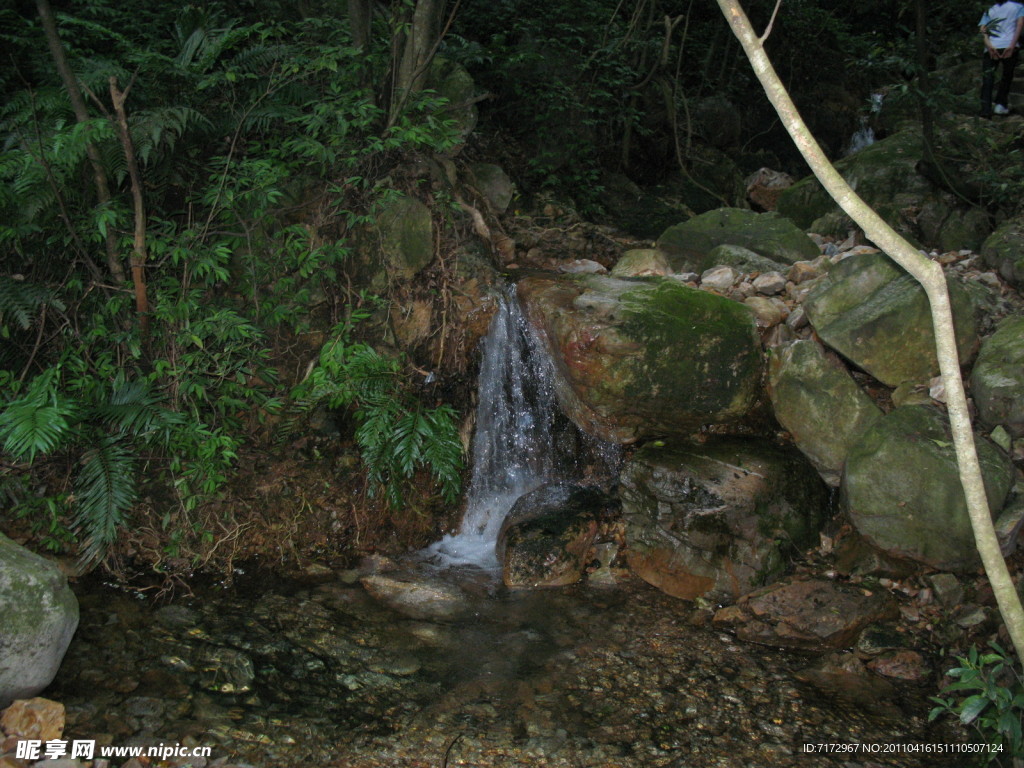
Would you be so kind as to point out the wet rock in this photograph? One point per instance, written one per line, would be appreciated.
(644, 357)
(878, 638)
(819, 404)
(843, 676)
(902, 664)
(40, 614)
(970, 615)
(417, 596)
(769, 313)
(547, 534)
(901, 488)
(812, 614)
(876, 315)
(36, 718)
(767, 234)
(997, 380)
(719, 279)
(947, 589)
(642, 262)
(719, 518)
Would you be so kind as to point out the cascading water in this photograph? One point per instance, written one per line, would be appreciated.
(520, 440)
(865, 135)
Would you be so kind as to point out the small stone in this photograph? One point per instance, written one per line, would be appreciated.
(1010, 521)
(970, 616)
(1001, 437)
(582, 267)
(797, 319)
(878, 638)
(937, 389)
(720, 278)
(802, 271)
(767, 312)
(910, 393)
(770, 283)
(36, 718)
(947, 589)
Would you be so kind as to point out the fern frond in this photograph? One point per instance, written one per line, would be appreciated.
(105, 490)
(21, 300)
(134, 409)
(37, 422)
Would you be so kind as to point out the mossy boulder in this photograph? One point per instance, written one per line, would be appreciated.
(638, 358)
(494, 184)
(546, 536)
(642, 262)
(740, 258)
(766, 234)
(451, 81)
(720, 518)
(819, 404)
(406, 236)
(901, 488)
(1003, 251)
(38, 616)
(997, 380)
(877, 316)
(884, 175)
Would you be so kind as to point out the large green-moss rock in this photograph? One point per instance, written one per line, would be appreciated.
(38, 616)
(819, 404)
(997, 380)
(901, 488)
(453, 82)
(637, 358)
(883, 174)
(720, 518)
(766, 234)
(406, 236)
(1003, 251)
(877, 316)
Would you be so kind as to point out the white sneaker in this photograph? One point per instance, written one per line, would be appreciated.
(999, 109)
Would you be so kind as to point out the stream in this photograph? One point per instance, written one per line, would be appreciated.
(285, 674)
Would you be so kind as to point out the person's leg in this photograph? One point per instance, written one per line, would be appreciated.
(988, 76)
(1006, 82)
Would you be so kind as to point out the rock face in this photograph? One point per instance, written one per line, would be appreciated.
(812, 614)
(766, 234)
(819, 404)
(644, 358)
(547, 534)
(406, 236)
(997, 380)
(1003, 251)
(901, 489)
(40, 615)
(720, 518)
(876, 315)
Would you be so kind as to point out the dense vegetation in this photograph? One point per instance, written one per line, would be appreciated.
(182, 205)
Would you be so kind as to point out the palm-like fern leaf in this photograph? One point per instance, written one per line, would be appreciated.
(37, 422)
(105, 490)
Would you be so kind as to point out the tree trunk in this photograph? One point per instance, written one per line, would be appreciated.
(932, 278)
(82, 116)
(414, 52)
(118, 97)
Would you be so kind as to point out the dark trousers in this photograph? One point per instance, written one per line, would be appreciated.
(988, 76)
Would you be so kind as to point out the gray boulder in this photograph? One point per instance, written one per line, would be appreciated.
(766, 234)
(876, 315)
(817, 401)
(720, 518)
(39, 616)
(742, 259)
(406, 236)
(901, 488)
(997, 380)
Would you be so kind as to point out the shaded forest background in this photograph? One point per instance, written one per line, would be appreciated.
(196, 348)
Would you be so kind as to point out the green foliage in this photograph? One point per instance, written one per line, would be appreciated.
(995, 706)
(396, 434)
(261, 147)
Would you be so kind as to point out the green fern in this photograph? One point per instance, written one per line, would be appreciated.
(105, 490)
(38, 422)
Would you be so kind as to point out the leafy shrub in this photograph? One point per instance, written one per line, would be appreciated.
(396, 434)
(995, 708)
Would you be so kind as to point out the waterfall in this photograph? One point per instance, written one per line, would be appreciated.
(521, 440)
(865, 135)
